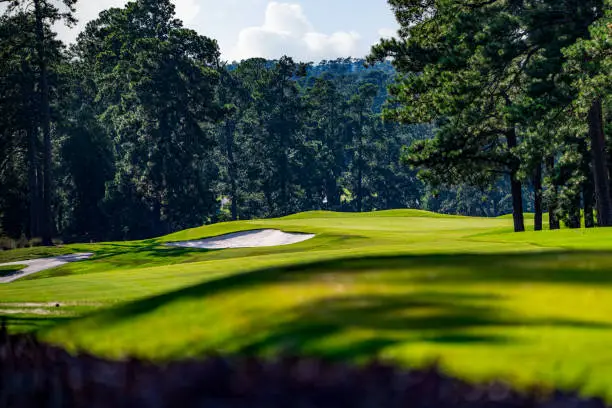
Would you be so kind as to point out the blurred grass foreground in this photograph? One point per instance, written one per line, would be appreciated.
(36, 375)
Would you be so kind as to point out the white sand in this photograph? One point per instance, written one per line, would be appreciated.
(39, 265)
(246, 239)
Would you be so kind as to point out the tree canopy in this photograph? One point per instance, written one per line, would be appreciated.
(499, 81)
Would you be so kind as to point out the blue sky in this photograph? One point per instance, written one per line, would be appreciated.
(308, 30)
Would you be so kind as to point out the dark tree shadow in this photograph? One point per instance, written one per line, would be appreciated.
(542, 267)
(434, 316)
(442, 318)
(153, 252)
(26, 324)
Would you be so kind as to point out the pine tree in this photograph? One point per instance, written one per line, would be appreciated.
(46, 13)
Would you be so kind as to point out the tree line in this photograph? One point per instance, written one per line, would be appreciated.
(139, 128)
(518, 92)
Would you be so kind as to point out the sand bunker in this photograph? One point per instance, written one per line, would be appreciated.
(246, 239)
(39, 265)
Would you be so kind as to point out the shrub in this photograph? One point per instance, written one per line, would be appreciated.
(35, 242)
(7, 243)
(22, 242)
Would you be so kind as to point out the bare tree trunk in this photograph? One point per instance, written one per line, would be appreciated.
(537, 186)
(588, 188)
(32, 134)
(517, 188)
(332, 193)
(360, 189)
(231, 163)
(600, 165)
(360, 166)
(553, 221)
(587, 198)
(574, 215)
(45, 112)
(33, 183)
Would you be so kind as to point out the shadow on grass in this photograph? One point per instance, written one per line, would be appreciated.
(579, 268)
(424, 317)
(151, 253)
(387, 320)
(117, 256)
(441, 317)
(10, 270)
(150, 249)
(28, 324)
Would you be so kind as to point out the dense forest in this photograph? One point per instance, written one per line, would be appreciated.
(140, 128)
(518, 90)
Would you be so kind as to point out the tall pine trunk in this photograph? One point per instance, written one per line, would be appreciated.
(360, 189)
(283, 170)
(231, 163)
(587, 199)
(601, 176)
(45, 118)
(32, 134)
(574, 213)
(588, 188)
(39, 191)
(332, 194)
(537, 187)
(553, 220)
(360, 166)
(33, 183)
(517, 188)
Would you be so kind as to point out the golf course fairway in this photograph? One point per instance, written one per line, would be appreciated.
(407, 286)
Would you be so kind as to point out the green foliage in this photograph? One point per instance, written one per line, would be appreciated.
(152, 133)
(303, 137)
(589, 61)
(155, 89)
(499, 79)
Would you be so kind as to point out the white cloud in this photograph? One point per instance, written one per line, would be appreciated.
(87, 10)
(286, 18)
(187, 10)
(387, 33)
(287, 31)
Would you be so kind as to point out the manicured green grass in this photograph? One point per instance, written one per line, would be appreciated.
(402, 285)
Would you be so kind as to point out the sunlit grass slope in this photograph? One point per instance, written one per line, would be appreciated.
(404, 285)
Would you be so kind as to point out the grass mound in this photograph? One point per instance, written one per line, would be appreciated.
(386, 213)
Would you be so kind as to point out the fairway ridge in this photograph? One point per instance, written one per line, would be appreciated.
(402, 286)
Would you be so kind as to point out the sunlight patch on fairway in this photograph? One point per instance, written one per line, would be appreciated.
(26, 311)
(246, 239)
